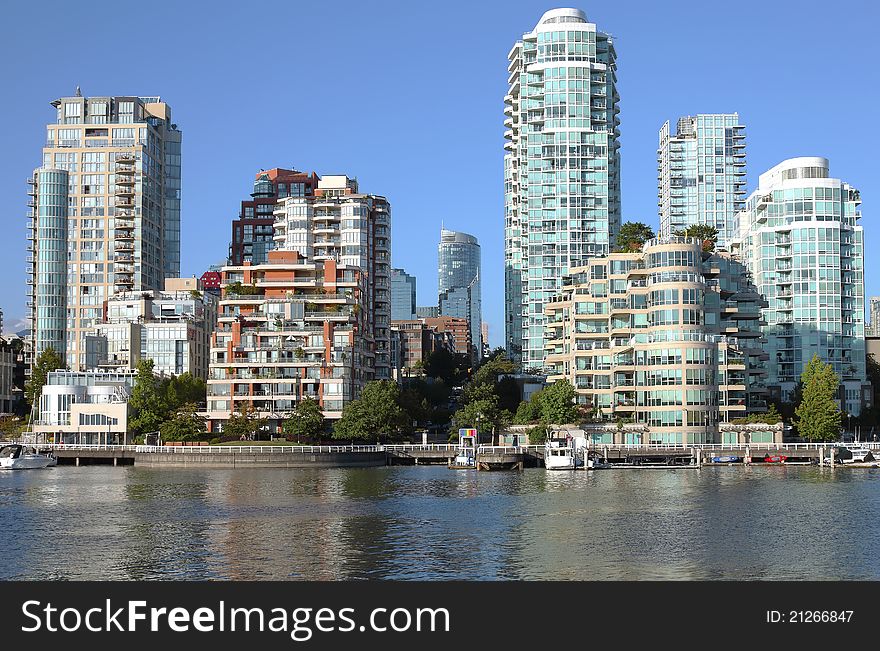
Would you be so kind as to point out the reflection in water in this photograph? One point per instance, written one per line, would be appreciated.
(434, 523)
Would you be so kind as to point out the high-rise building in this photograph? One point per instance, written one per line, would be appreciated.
(427, 311)
(701, 174)
(105, 214)
(458, 279)
(667, 337)
(314, 319)
(561, 169)
(873, 329)
(403, 295)
(804, 246)
(253, 231)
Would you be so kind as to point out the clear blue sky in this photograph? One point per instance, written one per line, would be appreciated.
(407, 97)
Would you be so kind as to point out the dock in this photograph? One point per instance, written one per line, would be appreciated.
(488, 457)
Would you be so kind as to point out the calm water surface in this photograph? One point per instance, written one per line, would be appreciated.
(433, 523)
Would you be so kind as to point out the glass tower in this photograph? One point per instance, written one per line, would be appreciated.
(117, 221)
(561, 167)
(701, 174)
(458, 279)
(802, 242)
(403, 295)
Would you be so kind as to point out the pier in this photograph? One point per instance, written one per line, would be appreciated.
(488, 457)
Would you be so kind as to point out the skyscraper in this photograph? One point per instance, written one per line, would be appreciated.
(253, 231)
(105, 214)
(804, 247)
(403, 296)
(458, 280)
(701, 174)
(561, 169)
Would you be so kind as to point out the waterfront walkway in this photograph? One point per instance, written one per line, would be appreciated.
(488, 457)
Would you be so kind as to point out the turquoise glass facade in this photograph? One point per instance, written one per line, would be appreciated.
(561, 169)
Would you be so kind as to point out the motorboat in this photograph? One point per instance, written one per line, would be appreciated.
(559, 455)
(775, 458)
(854, 454)
(20, 457)
(726, 458)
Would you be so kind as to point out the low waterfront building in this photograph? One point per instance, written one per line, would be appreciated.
(314, 320)
(89, 407)
(172, 328)
(666, 337)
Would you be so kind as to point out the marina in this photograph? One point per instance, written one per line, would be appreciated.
(467, 455)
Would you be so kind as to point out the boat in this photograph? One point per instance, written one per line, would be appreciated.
(775, 458)
(726, 458)
(559, 455)
(19, 457)
(854, 454)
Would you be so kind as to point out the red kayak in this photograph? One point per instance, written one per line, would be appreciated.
(775, 458)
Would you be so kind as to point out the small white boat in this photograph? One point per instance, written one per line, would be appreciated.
(854, 454)
(559, 455)
(19, 457)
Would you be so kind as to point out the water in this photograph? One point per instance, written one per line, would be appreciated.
(135, 523)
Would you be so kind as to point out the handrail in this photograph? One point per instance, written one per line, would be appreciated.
(410, 447)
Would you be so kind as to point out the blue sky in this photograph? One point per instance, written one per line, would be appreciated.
(407, 97)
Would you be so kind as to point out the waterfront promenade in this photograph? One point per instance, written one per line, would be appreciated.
(488, 457)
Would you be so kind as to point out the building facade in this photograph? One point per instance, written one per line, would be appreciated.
(173, 328)
(417, 340)
(88, 408)
(561, 167)
(254, 231)
(314, 320)
(873, 328)
(458, 280)
(403, 295)
(701, 174)
(667, 337)
(801, 239)
(105, 214)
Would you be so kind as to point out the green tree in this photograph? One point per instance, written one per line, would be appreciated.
(306, 421)
(708, 234)
(183, 389)
(529, 411)
(375, 415)
(558, 403)
(244, 424)
(11, 427)
(147, 403)
(770, 417)
(48, 360)
(818, 416)
(482, 411)
(452, 368)
(632, 236)
(184, 424)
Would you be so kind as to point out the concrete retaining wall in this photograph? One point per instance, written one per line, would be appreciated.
(261, 460)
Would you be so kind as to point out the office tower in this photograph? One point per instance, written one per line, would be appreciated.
(804, 246)
(561, 167)
(253, 231)
(314, 319)
(458, 280)
(427, 311)
(172, 327)
(403, 295)
(105, 214)
(667, 336)
(701, 174)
